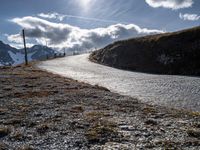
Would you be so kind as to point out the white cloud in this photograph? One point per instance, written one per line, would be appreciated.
(172, 4)
(16, 38)
(66, 36)
(190, 17)
(52, 16)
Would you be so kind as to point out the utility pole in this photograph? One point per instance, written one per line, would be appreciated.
(25, 50)
(64, 52)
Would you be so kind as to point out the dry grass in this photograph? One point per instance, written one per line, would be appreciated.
(100, 133)
(149, 110)
(167, 144)
(77, 109)
(101, 130)
(95, 115)
(194, 133)
(31, 94)
(17, 135)
(3, 111)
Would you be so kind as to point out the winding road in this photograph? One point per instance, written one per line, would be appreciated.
(165, 90)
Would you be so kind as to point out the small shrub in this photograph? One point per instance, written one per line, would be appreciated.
(94, 115)
(42, 128)
(102, 132)
(149, 110)
(77, 109)
(151, 122)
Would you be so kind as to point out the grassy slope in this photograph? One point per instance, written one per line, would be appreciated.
(40, 110)
(169, 53)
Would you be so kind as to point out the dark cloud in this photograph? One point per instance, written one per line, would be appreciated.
(67, 36)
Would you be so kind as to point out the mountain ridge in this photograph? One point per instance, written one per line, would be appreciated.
(12, 56)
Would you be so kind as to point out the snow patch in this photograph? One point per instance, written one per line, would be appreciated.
(18, 57)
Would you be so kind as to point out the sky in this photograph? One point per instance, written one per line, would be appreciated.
(88, 24)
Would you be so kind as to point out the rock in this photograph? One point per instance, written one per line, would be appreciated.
(4, 131)
(151, 122)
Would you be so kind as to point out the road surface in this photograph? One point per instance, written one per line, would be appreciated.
(167, 90)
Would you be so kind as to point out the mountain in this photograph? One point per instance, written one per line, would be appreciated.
(168, 53)
(40, 52)
(13, 56)
(5, 57)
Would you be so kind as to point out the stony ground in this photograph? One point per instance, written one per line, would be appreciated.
(39, 110)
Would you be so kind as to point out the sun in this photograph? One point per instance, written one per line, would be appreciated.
(85, 4)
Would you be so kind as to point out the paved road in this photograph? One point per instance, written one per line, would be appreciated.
(173, 91)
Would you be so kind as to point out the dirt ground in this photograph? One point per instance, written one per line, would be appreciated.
(40, 110)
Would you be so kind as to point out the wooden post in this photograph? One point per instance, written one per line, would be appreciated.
(64, 52)
(25, 50)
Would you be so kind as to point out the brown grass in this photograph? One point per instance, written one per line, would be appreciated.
(31, 94)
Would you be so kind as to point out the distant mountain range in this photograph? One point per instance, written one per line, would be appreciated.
(168, 53)
(12, 56)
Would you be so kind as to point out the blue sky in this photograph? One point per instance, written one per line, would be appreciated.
(171, 16)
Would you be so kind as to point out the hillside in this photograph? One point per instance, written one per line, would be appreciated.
(12, 56)
(168, 53)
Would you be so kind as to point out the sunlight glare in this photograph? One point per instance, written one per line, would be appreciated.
(85, 4)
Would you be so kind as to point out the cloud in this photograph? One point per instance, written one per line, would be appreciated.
(16, 38)
(52, 16)
(172, 4)
(74, 38)
(190, 17)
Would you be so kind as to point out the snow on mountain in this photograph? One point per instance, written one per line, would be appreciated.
(13, 56)
(18, 57)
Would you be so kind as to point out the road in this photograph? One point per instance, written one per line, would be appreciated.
(165, 90)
